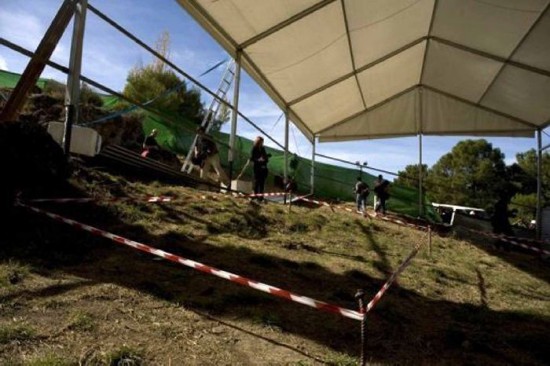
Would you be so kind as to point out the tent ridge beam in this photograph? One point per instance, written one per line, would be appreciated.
(353, 66)
(520, 43)
(375, 106)
(488, 109)
(285, 23)
(432, 21)
(359, 70)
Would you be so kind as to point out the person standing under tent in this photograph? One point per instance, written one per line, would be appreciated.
(150, 144)
(259, 157)
(361, 193)
(381, 187)
(207, 151)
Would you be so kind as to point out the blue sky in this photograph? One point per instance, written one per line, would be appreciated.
(108, 56)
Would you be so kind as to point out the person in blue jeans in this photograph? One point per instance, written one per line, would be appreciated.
(361, 193)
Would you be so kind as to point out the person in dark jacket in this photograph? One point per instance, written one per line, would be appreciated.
(150, 145)
(361, 193)
(259, 157)
(207, 151)
(381, 188)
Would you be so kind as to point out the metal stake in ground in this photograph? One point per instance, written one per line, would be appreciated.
(429, 241)
(360, 296)
(289, 201)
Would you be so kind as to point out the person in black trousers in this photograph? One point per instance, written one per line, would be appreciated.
(259, 157)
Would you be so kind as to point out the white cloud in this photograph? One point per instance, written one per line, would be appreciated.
(21, 28)
(3, 64)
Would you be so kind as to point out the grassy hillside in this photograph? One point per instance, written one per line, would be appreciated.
(67, 297)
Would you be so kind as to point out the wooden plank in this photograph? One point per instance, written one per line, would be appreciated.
(38, 61)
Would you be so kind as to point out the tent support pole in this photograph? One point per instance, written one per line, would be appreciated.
(312, 177)
(72, 94)
(285, 171)
(232, 136)
(420, 173)
(539, 183)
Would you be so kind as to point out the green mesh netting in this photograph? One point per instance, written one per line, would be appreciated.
(9, 80)
(333, 182)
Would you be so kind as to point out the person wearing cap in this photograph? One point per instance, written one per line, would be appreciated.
(207, 151)
(150, 144)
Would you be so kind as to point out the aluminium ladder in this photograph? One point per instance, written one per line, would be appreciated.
(213, 110)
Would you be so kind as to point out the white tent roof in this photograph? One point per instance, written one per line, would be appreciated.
(357, 69)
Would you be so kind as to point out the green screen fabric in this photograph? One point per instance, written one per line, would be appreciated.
(9, 80)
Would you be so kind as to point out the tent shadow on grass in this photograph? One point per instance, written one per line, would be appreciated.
(523, 259)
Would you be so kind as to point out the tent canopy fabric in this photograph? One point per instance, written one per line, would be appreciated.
(359, 69)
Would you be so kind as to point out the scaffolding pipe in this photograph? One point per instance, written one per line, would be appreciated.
(420, 173)
(312, 177)
(234, 115)
(72, 94)
(539, 184)
(285, 171)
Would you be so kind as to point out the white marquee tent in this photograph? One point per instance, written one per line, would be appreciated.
(358, 69)
(362, 69)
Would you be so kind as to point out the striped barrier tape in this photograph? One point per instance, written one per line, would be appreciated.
(392, 278)
(113, 199)
(528, 240)
(273, 194)
(384, 218)
(319, 305)
(398, 222)
(511, 241)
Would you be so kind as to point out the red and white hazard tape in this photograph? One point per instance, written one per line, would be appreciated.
(113, 199)
(273, 194)
(398, 222)
(320, 305)
(528, 240)
(384, 218)
(507, 239)
(392, 278)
